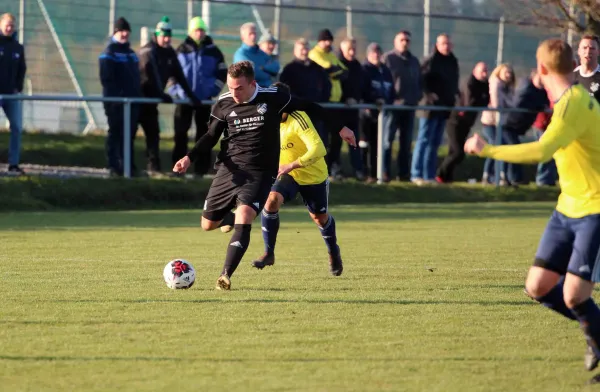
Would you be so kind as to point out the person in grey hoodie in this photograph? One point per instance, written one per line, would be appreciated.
(406, 73)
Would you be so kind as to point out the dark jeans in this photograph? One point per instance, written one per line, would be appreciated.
(182, 123)
(14, 112)
(424, 160)
(546, 172)
(148, 119)
(401, 121)
(114, 140)
(368, 128)
(339, 119)
(457, 132)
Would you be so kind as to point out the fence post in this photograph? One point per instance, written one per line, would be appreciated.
(570, 31)
(500, 41)
(22, 22)
(380, 119)
(111, 17)
(190, 9)
(426, 39)
(206, 15)
(348, 21)
(277, 25)
(127, 138)
(498, 142)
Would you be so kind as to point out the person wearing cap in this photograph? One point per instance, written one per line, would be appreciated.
(380, 91)
(120, 77)
(267, 43)
(323, 55)
(206, 72)
(159, 63)
(12, 77)
(264, 68)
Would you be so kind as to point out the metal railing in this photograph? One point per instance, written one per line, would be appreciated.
(383, 109)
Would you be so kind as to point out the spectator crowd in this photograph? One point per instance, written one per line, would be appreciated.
(325, 72)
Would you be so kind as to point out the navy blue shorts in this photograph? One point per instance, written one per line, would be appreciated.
(315, 196)
(571, 245)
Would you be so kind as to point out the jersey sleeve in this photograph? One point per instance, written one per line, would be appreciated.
(311, 139)
(216, 126)
(566, 125)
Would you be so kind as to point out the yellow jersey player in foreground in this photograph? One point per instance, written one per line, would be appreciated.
(302, 169)
(567, 262)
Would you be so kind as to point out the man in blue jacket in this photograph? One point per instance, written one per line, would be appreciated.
(265, 69)
(205, 70)
(12, 76)
(120, 77)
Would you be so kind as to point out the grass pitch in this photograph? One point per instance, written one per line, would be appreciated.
(431, 299)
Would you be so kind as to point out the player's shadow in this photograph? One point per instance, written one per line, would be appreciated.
(125, 220)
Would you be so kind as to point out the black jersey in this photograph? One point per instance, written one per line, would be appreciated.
(591, 82)
(251, 129)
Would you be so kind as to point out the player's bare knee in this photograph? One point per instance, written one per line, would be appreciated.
(320, 219)
(208, 225)
(576, 290)
(244, 215)
(540, 281)
(274, 202)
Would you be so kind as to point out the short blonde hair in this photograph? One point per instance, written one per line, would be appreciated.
(498, 70)
(8, 16)
(247, 26)
(302, 41)
(556, 55)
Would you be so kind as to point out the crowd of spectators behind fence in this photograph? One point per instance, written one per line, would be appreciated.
(324, 72)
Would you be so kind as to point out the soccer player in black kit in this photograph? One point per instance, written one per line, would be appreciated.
(588, 73)
(247, 165)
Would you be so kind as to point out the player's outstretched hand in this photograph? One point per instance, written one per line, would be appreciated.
(182, 165)
(348, 135)
(474, 145)
(288, 167)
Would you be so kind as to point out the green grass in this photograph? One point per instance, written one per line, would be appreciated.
(88, 151)
(83, 305)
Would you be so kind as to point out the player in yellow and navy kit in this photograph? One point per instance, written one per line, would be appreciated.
(302, 169)
(567, 262)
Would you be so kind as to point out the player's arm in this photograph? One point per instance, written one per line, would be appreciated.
(317, 111)
(559, 134)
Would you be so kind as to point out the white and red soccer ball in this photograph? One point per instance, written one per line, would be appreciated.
(179, 274)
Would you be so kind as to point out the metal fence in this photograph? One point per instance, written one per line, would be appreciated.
(63, 39)
(383, 109)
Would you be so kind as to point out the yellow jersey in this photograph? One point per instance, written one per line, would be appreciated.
(300, 141)
(573, 139)
(328, 60)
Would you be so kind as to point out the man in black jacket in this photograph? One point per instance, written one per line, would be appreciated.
(440, 88)
(159, 63)
(353, 90)
(307, 80)
(120, 77)
(12, 76)
(380, 91)
(475, 92)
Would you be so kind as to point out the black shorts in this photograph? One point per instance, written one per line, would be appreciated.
(235, 187)
(315, 196)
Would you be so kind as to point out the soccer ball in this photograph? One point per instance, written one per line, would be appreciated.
(179, 274)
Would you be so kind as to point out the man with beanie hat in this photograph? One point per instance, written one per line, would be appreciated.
(264, 68)
(120, 77)
(323, 55)
(205, 70)
(159, 63)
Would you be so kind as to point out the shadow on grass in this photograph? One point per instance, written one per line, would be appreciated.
(51, 358)
(304, 301)
(191, 218)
